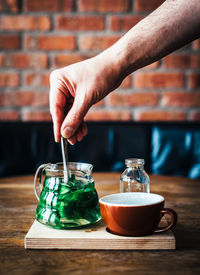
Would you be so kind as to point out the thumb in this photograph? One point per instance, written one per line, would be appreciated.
(74, 117)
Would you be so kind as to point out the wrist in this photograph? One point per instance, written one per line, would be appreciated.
(113, 64)
(125, 56)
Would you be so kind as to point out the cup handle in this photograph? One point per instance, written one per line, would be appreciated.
(173, 215)
(37, 180)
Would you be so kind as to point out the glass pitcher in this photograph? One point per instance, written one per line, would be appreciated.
(70, 204)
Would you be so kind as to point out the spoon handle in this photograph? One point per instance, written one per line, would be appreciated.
(65, 158)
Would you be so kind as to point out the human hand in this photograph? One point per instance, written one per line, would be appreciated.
(74, 89)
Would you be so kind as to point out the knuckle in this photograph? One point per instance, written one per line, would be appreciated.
(55, 111)
(76, 117)
(54, 75)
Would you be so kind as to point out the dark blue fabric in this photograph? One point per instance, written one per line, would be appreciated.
(175, 148)
(24, 146)
(194, 171)
(175, 151)
(108, 144)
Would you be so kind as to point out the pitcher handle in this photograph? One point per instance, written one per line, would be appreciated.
(37, 183)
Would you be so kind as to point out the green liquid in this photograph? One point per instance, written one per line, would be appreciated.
(68, 205)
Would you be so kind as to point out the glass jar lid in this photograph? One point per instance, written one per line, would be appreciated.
(134, 162)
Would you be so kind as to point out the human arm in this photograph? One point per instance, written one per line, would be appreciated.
(74, 89)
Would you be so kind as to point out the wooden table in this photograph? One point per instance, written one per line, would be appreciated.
(17, 207)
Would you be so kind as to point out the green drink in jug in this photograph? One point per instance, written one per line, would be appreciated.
(70, 204)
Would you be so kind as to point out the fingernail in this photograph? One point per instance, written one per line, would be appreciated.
(67, 132)
(71, 142)
(57, 140)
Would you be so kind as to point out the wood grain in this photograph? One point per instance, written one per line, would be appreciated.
(17, 208)
(94, 237)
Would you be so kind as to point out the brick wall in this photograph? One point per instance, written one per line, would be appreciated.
(37, 36)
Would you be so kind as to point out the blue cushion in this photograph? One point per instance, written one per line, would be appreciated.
(175, 151)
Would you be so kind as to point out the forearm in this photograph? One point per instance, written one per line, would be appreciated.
(174, 24)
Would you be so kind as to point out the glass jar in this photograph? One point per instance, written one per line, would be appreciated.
(70, 204)
(134, 178)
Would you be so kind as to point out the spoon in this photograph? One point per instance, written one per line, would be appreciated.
(65, 158)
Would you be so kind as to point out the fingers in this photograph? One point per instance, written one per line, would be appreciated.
(74, 118)
(82, 131)
(57, 117)
(57, 108)
(57, 113)
(72, 140)
(78, 136)
(67, 109)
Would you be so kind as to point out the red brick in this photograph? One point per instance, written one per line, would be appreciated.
(25, 61)
(9, 5)
(80, 23)
(158, 115)
(40, 99)
(124, 23)
(56, 43)
(194, 116)
(153, 65)
(88, 42)
(196, 44)
(62, 60)
(158, 80)
(126, 83)
(134, 99)
(49, 5)
(194, 80)
(38, 5)
(50, 43)
(30, 42)
(9, 42)
(19, 61)
(25, 22)
(2, 99)
(67, 5)
(181, 99)
(32, 79)
(99, 104)
(26, 98)
(45, 80)
(38, 60)
(37, 79)
(103, 5)
(9, 79)
(9, 115)
(182, 61)
(2, 60)
(101, 115)
(36, 115)
(147, 5)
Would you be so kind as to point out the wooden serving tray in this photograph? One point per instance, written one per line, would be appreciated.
(95, 237)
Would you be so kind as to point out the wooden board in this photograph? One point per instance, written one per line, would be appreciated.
(94, 237)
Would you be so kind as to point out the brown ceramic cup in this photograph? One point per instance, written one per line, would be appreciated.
(135, 214)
